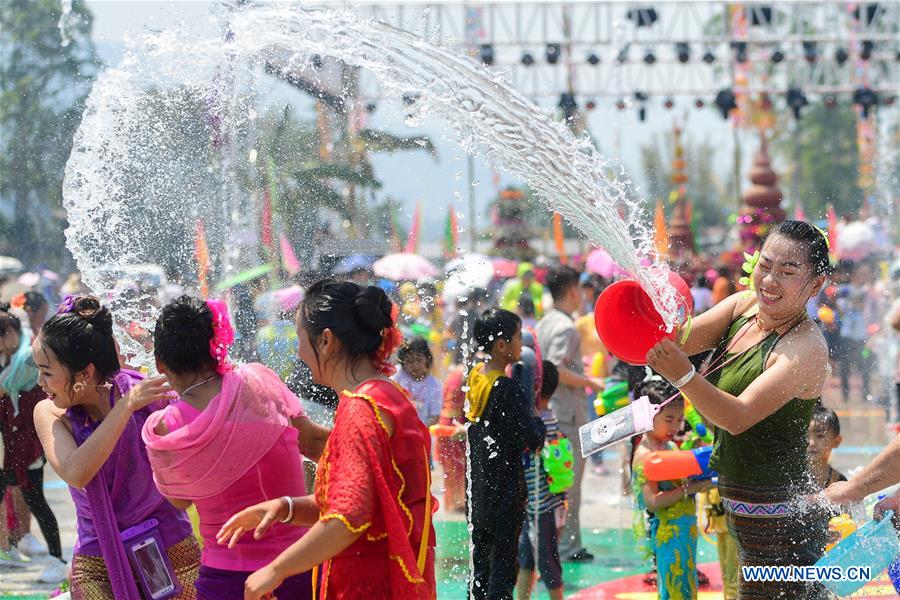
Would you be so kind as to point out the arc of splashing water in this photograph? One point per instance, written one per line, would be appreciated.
(567, 173)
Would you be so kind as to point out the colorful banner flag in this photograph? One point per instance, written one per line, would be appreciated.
(451, 234)
(660, 232)
(267, 239)
(201, 255)
(412, 242)
(559, 238)
(289, 260)
(832, 231)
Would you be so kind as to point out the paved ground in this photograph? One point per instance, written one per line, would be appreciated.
(605, 515)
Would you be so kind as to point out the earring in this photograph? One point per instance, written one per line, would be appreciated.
(78, 387)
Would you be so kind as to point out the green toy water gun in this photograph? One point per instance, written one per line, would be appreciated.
(693, 417)
(558, 462)
(613, 397)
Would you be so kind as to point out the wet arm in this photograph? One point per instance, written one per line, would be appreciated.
(312, 437)
(77, 465)
(711, 327)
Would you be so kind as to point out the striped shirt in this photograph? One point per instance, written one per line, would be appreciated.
(536, 479)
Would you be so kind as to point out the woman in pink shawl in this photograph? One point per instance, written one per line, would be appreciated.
(230, 440)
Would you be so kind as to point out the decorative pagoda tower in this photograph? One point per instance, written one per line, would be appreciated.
(511, 229)
(681, 236)
(762, 201)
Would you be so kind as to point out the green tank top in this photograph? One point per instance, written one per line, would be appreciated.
(772, 453)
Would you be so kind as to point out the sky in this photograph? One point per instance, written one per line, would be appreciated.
(415, 177)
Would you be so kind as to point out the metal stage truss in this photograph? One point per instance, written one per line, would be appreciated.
(664, 48)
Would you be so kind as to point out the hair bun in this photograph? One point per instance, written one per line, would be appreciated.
(372, 309)
(97, 315)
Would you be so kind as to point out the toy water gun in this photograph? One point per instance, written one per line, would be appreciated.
(839, 527)
(596, 367)
(693, 417)
(557, 459)
(613, 397)
(666, 465)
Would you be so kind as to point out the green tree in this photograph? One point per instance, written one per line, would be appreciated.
(43, 85)
(821, 149)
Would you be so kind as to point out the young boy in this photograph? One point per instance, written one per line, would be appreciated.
(823, 436)
(549, 509)
(502, 426)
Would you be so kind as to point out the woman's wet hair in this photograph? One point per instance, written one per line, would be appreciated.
(357, 315)
(182, 334)
(810, 236)
(415, 346)
(34, 301)
(81, 337)
(8, 321)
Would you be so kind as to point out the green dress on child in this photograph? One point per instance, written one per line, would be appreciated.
(672, 539)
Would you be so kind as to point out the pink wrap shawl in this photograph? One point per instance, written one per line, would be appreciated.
(240, 425)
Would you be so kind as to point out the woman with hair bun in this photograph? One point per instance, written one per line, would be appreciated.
(230, 440)
(370, 518)
(90, 428)
(762, 383)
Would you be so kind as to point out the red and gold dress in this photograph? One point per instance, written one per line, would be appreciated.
(378, 485)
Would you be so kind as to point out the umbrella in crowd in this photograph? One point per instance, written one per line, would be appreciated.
(468, 273)
(355, 262)
(283, 300)
(404, 266)
(505, 268)
(601, 263)
(8, 264)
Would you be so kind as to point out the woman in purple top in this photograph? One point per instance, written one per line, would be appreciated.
(90, 428)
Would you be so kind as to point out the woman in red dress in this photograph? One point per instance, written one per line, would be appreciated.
(371, 535)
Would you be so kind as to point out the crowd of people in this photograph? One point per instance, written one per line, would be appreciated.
(288, 450)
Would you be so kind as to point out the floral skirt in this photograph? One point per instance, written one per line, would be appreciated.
(90, 578)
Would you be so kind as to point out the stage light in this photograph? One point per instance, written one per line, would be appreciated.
(622, 57)
(553, 52)
(761, 15)
(740, 51)
(641, 96)
(866, 98)
(370, 107)
(777, 56)
(568, 105)
(683, 52)
(649, 57)
(620, 104)
(796, 100)
(841, 55)
(873, 11)
(699, 103)
(593, 59)
(708, 57)
(669, 103)
(527, 59)
(316, 61)
(726, 102)
(487, 54)
(642, 17)
(590, 105)
(830, 100)
(867, 47)
(642, 114)
(810, 52)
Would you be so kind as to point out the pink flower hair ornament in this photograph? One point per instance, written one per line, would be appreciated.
(223, 335)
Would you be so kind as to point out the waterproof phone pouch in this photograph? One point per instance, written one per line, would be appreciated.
(619, 425)
(150, 561)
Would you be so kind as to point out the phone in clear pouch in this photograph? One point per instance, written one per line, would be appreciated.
(149, 561)
(619, 425)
